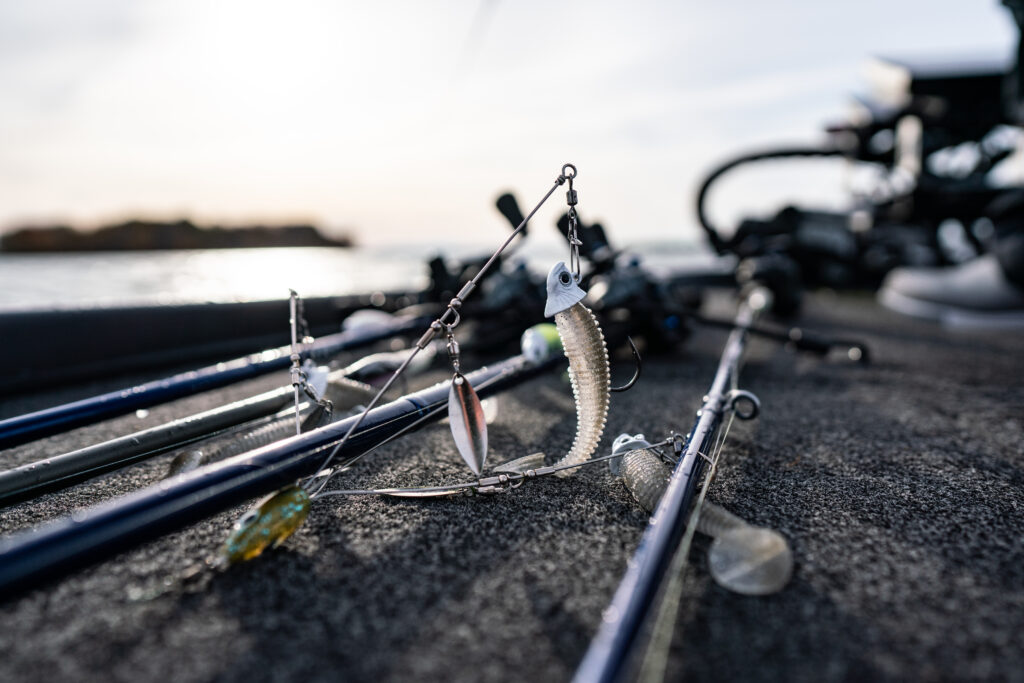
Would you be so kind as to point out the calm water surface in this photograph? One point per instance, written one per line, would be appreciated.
(43, 281)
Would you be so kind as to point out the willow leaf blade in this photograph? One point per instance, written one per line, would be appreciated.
(468, 423)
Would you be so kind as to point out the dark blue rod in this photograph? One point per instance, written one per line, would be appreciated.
(31, 426)
(616, 649)
(29, 558)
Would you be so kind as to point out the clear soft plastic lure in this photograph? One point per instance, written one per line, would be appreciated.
(743, 558)
(583, 343)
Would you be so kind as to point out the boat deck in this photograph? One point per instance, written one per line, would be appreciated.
(900, 486)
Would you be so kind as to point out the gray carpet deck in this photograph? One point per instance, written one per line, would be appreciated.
(900, 487)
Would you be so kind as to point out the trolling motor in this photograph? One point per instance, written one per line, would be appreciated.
(935, 130)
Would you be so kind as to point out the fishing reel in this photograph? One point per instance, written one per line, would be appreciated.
(934, 131)
(511, 297)
(621, 292)
(826, 251)
(629, 300)
(511, 300)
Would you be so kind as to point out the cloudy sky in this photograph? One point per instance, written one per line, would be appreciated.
(402, 120)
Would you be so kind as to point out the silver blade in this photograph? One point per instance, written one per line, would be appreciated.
(468, 423)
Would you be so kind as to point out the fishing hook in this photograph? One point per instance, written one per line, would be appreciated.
(639, 366)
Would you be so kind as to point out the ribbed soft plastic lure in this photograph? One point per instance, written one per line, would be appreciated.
(584, 346)
(267, 524)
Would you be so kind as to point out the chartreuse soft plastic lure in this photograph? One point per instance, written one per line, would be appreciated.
(268, 524)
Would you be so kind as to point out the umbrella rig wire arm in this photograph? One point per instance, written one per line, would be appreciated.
(498, 483)
(724, 398)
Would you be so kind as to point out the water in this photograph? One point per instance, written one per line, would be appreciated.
(46, 281)
(35, 281)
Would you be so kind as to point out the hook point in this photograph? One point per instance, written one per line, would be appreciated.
(639, 366)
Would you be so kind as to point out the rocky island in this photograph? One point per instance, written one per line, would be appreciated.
(181, 234)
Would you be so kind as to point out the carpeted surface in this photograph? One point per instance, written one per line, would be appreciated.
(900, 487)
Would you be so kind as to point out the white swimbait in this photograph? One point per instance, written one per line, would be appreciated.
(583, 343)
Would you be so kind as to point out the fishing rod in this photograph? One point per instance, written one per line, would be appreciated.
(30, 558)
(30, 426)
(58, 472)
(50, 474)
(88, 343)
(617, 646)
(249, 422)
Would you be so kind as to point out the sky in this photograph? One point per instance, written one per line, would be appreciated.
(401, 121)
